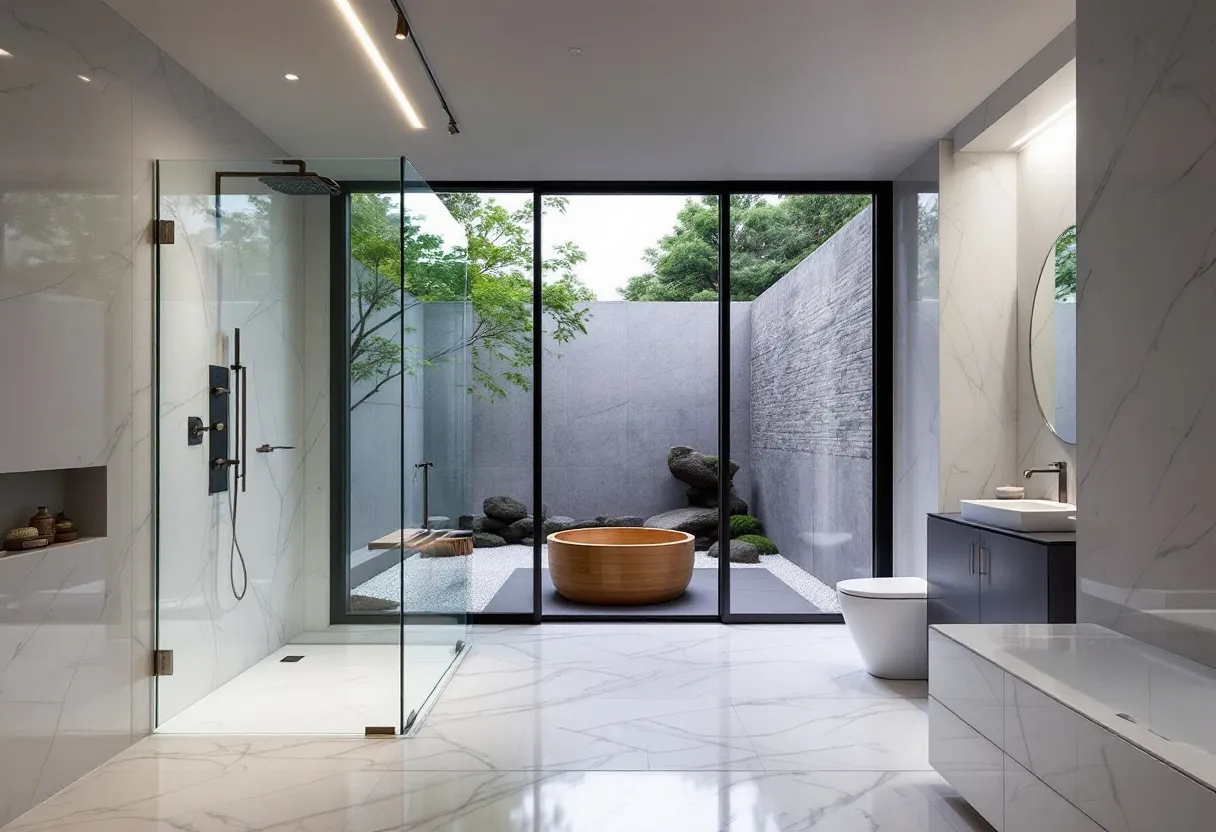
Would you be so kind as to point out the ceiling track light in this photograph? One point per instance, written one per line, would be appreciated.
(405, 31)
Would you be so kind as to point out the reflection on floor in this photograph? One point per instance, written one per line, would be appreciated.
(470, 583)
(577, 728)
(330, 689)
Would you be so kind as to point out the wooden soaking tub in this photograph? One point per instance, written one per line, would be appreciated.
(620, 566)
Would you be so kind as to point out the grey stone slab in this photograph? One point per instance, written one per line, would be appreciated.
(752, 590)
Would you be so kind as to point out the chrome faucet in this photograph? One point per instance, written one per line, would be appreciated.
(1060, 469)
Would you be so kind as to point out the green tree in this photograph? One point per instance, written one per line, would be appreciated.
(768, 238)
(496, 259)
(1066, 265)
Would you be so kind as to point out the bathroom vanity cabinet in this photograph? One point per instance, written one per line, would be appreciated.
(982, 574)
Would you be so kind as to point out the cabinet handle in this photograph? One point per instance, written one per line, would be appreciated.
(971, 558)
(982, 572)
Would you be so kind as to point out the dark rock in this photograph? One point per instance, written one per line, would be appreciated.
(485, 540)
(504, 509)
(557, 524)
(544, 511)
(696, 469)
(585, 524)
(709, 499)
(481, 523)
(740, 552)
(689, 466)
(613, 520)
(528, 541)
(702, 522)
(518, 530)
(703, 543)
(466, 522)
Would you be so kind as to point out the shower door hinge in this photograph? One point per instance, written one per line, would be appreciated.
(162, 662)
(163, 232)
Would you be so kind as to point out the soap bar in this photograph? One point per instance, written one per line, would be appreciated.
(1010, 492)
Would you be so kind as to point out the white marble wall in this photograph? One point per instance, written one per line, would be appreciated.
(916, 363)
(1047, 190)
(978, 324)
(1146, 379)
(253, 281)
(76, 193)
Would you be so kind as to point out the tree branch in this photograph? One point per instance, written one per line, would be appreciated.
(377, 388)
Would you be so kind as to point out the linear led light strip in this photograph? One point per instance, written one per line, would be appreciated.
(373, 55)
(1047, 124)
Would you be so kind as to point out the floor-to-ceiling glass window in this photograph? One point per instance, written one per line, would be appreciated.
(629, 405)
(802, 278)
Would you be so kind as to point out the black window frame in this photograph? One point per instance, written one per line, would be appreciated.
(882, 470)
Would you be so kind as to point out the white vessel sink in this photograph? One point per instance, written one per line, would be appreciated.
(1022, 515)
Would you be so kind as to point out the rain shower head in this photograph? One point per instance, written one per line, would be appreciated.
(301, 184)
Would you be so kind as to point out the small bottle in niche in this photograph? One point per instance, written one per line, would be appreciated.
(44, 523)
(65, 529)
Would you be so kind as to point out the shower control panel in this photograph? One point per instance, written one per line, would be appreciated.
(218, 450)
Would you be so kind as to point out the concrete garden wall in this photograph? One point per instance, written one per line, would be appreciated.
(643, 378)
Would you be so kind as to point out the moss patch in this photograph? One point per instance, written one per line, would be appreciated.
(742, 524)
(766, 546)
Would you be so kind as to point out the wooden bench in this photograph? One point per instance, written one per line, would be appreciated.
(430, 543)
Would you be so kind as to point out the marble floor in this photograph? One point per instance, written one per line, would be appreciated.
(572, 728)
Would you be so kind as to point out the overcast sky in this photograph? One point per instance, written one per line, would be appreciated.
(613, 230)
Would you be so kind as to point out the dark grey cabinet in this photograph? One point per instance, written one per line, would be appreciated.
(982, 575)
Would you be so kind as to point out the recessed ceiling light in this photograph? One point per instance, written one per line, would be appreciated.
(373, 54)
(4, 53)
(291, 76)
(84, 78)
(576, 50)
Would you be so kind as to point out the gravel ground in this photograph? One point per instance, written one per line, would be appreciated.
(468, 583)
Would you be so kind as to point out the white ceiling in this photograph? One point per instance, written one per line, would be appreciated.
(664, 89)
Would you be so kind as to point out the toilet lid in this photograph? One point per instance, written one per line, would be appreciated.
(884, 587)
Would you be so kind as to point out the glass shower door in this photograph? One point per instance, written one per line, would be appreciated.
(256, 289)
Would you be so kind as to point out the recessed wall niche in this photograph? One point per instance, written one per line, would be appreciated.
(78, 492)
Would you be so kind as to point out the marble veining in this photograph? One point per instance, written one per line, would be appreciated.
(76, 295)
(579, 727)
(1146, 381)
(978, 324)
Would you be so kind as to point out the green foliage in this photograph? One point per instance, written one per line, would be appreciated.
(768, 238)
(1066, 265)
(491, 269)
(766, 546)
(745, 524)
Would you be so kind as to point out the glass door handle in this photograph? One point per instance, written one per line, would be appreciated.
(266, 449)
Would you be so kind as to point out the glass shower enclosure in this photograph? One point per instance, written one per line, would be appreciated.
(312, 431)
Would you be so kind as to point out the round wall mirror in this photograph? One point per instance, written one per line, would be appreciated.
(1053, 338)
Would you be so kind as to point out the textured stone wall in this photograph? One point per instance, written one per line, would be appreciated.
(811, 407)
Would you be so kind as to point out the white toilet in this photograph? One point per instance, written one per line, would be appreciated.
(887, 619)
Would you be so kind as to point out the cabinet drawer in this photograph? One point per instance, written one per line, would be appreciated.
(969, 685)
(1030, 806)
(968, 762)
